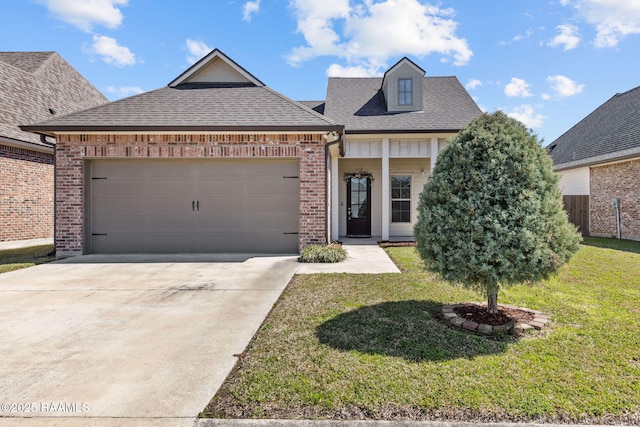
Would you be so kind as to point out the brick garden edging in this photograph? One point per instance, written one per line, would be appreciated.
(540, 320)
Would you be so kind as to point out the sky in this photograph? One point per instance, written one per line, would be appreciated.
(547, 63)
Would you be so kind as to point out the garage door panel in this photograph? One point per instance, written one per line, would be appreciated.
(113, 206)
(166, 206)
(170, 169)
(171, 187)
(222, 187)
(275, 186)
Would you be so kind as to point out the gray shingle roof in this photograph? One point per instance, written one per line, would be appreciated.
(610, 132)
(359, 104)
(36, 85)
(196, 107)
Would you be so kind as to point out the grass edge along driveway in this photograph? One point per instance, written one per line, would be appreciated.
(344, 346)
(15, 259)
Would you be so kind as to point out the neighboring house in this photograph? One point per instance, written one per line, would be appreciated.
(34, 86)
(218, 162)
(599, 160)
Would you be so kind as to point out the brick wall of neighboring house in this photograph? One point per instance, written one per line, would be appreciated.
(72, 150)
(619, 180)
(26, 194)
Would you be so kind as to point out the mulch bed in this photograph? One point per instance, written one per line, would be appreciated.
(479, 314)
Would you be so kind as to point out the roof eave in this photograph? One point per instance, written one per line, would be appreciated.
(54, 130)
(398, 131)
(596, 160)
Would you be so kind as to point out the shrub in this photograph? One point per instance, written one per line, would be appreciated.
(318, 253)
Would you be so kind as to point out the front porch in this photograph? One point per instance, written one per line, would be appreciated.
(376, 186)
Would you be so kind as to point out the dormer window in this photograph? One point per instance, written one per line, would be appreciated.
(405, 92)
(403, 87)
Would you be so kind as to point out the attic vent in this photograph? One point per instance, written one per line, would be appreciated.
(52, 111)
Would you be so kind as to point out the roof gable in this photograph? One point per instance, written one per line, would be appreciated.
(610, 132)
(29, 62)
(216, 67)
(404, 62)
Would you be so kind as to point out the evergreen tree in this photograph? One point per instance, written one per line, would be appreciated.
(491, 214)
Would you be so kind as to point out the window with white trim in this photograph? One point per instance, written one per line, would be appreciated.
(405, 91)
(400, 199)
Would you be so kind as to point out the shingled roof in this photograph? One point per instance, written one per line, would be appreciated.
(35, 86)
(215, 94)
(611, 132)
(360, 105)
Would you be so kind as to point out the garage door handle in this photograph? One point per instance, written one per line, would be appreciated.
(198, 205)
(193, 205)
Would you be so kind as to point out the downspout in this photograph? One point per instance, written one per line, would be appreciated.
(43, 139)
(326, 182)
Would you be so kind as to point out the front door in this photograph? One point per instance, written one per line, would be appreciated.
(359, 207)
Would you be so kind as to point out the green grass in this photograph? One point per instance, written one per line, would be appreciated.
(15, 259)
(344, 346)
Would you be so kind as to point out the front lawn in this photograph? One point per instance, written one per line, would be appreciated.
(341, 346)
(15, 259)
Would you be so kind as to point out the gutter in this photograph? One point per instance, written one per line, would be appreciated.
(327, 159)
(55, 195)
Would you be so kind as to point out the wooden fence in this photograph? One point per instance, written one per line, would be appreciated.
(578, 209)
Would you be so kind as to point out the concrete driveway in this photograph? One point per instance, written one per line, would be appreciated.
(128, 340)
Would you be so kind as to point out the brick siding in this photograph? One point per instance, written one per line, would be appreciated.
(72, 150)
(26, 194)
(620, 180)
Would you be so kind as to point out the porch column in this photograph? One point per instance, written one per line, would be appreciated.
(434, 152)
(335, 200)
(386, 192)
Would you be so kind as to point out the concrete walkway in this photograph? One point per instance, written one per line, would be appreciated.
(362, 259)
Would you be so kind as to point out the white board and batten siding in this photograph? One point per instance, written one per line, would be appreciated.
(575, 182)
(399, 148)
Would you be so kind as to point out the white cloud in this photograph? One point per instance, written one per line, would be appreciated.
(545, 96)
(85, 14)
(527, 115)
(563, 86)
(336, 70)
(517, 87)
(250, 8)
(473, 84)
(526, 35)
(613, 19)
(569, 37)
(197, 50)
(111, 51)
(124, 91)
(367, 34)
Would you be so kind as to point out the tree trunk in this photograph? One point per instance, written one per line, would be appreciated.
(492, 300)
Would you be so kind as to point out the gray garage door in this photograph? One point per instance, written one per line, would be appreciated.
(192, 206)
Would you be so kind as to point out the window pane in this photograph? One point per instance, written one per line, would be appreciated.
(405, 92)
(401, 211)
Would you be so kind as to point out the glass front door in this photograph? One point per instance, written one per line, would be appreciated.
(359, 207)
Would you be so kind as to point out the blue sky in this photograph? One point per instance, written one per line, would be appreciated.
(546, 62)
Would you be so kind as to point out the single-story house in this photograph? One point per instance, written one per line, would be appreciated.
(218, 162)
(599, 162)
(34, 86)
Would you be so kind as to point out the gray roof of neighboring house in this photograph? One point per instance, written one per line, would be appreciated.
(317, 106)
(33, 87)
(610, 132)
(195, 107)
(360, 105)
